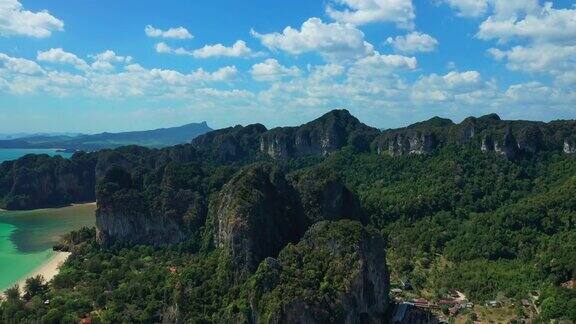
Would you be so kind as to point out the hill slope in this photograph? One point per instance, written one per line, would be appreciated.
(161, 137)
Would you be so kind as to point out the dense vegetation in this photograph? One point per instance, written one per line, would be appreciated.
(456, 218)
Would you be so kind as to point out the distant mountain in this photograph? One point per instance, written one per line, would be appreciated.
(12, 136)
(156, 138)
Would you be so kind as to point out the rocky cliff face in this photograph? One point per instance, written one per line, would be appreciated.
(408, 143)
(254, 216)
(324, 196)
(39, 181)
(569, 147)
(125, 215)
(336, 274)
(126, 222)
(230, 144)
(489, 133)
(259, 211)
(319, 137)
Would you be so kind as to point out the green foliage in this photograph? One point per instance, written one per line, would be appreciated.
(455, 219)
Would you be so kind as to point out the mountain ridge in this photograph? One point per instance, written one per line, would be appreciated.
(160, 137)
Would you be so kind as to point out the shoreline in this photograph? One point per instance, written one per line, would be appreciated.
(91, 203)
(48, 270)
(49, 267)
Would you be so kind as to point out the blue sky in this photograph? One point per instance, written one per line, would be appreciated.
(127, 65)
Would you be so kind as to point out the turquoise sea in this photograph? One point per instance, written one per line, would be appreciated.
(27, 237)
(13, 154)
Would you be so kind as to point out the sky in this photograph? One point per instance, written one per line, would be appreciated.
(93, 66)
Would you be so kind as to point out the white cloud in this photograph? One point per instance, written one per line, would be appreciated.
(502, 9)
(326, 72)
(234, 93)
(15, 20)
(20, 65)
(469, 8)
(163, 48)
(378, 64)
(360, 12)
(529, 93)
(547, 38)
(21, 76)
(334, 41)
(58, 55)
(547, 25)
(174, 33)
(105, 61)
(238, 49)
(271, 70)
(449, 87)
(545, 58)
(413, 43)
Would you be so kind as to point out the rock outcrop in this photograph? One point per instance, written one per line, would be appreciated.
(259, 211)
(254, 216)
(569, 147)
(408, 143)
(320, 137)
(507, 146)
(336, 274)
(511, 139)
(324, 196)
(232, 144)
(126, 216)
(40, 181)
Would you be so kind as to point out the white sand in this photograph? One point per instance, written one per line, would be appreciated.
(47, 270)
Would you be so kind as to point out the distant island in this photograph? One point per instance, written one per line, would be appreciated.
(156, 138)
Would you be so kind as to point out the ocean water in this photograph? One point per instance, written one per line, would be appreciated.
(13, 154)
(27, 237)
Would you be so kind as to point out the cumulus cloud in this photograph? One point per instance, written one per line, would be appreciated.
(271, 70)
(360, 12)
(447, 87)
(547, 25)
(58, 55)
(547, 58)
(105, 61)
(22, 76)
(20, 65)
(334, 41)
(413, 42)
(468, 8)
(547, 38)
(238, 49)
(502, 9)
(174, 33)
(379, 64)
(15, 20)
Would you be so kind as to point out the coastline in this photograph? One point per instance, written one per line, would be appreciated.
(56, 222)
(48, 269)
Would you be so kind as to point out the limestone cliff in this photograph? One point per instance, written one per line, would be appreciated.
(336, 274)
(254, 216)
(231, 144)
(511, 139)
(39, 181)
(324, 196)
(320, 137)
(125, 216)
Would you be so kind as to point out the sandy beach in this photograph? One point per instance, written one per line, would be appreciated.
(47, 270)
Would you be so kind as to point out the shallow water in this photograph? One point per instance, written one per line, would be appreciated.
(27, 237)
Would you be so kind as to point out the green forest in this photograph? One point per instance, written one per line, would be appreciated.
(457, 219)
